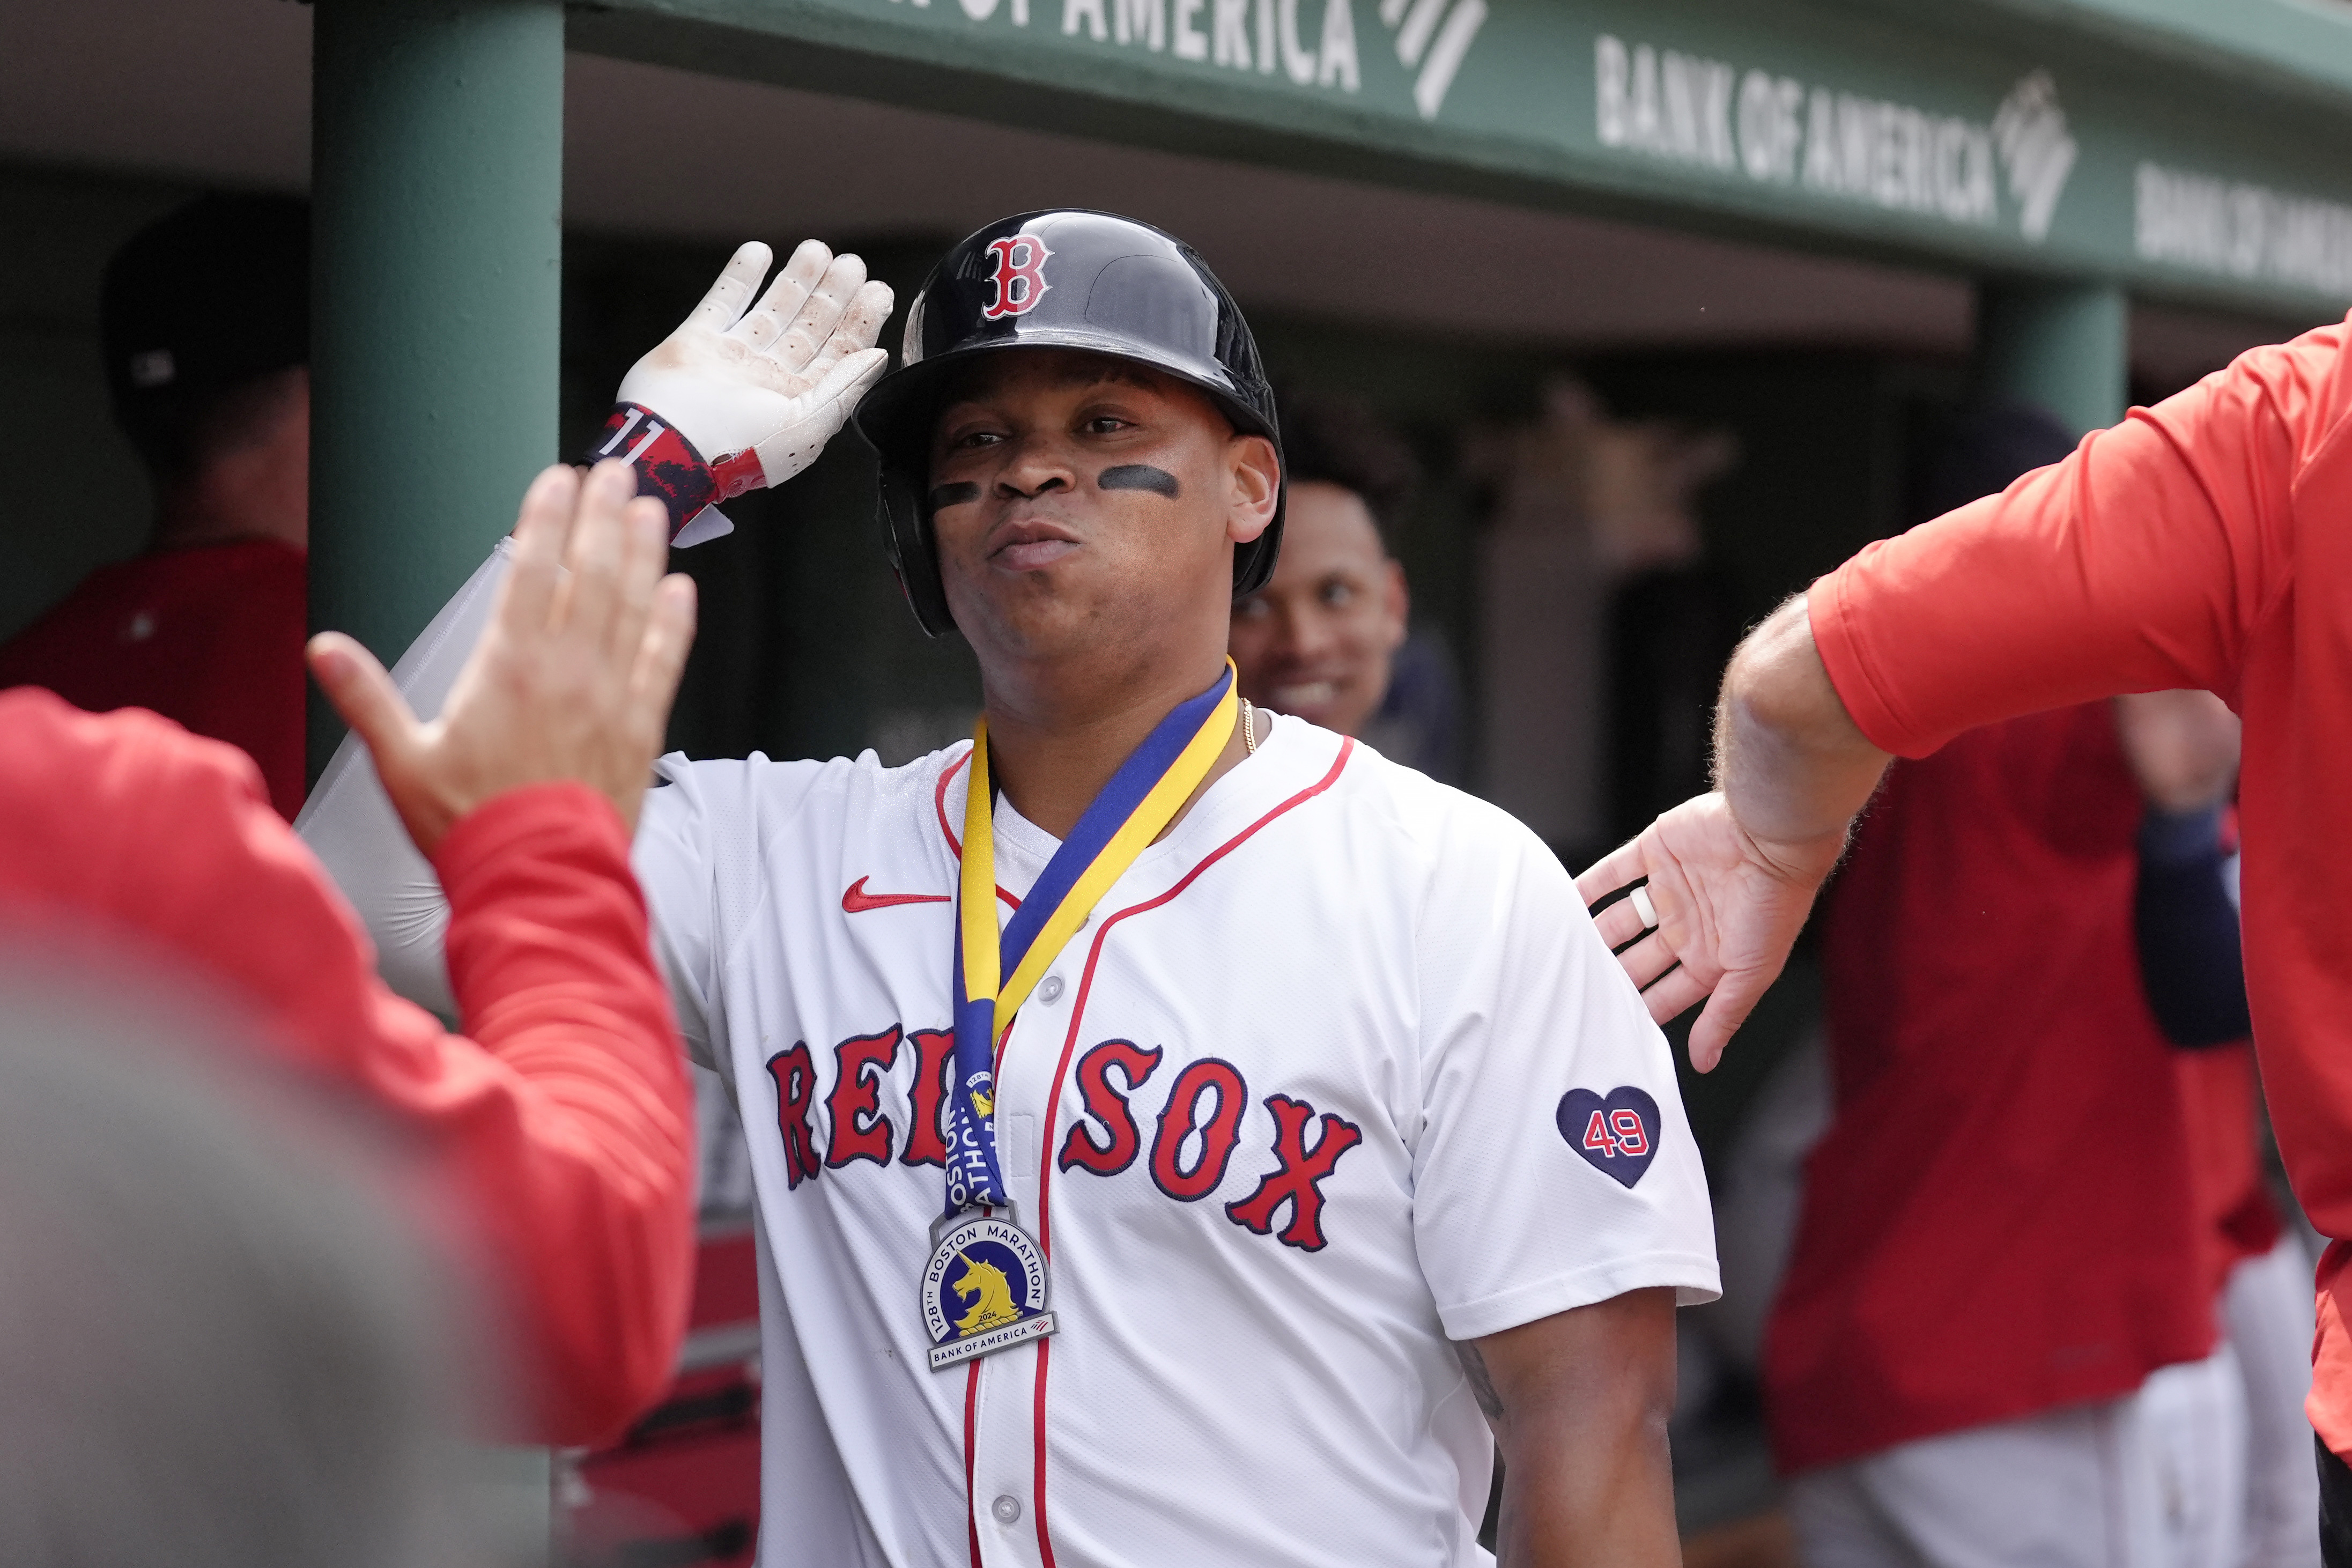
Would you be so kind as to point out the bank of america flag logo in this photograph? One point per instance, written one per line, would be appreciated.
(2029, 129)
(1432, 37)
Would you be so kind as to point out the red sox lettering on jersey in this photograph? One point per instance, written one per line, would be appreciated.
(1205, 1100)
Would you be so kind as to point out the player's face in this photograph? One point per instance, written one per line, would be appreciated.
(1082, 505)
(1318, 640)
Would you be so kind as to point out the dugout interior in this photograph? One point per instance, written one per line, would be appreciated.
(1823, 378)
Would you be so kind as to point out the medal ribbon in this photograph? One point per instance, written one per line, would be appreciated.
(994, 972)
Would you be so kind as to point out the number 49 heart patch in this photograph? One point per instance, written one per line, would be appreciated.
(1618, 1134)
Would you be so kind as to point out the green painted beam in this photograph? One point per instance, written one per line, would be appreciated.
(437, 159)
(2303, 47)
(2061, 347)
(1985, 135)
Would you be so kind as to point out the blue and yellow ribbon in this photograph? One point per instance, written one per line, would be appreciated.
(1133, 809)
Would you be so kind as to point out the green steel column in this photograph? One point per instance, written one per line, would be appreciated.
(436, 267)
(2062, 347)
(437, 173)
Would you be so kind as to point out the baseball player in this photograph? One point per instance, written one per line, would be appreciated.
(1179, 1135)
(206, 319)
(2196, 544)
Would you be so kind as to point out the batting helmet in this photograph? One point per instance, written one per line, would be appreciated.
(1065, 279)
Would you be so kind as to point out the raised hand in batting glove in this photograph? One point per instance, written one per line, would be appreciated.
(740, 399)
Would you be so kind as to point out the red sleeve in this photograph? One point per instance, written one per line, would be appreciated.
(2141, 562)
(566, 1126)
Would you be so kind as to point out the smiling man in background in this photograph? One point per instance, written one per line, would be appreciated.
(1319, 641)
(1327, 639)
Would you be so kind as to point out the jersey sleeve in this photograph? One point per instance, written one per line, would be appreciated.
(2141, 563)
(1555, 1167)
(702, 855)
(577, 1155)
(560, 1136)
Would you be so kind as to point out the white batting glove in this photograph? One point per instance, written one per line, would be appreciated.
(737, 400)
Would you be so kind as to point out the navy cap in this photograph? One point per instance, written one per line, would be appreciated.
(207, 296)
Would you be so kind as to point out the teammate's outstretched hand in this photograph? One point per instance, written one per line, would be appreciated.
(1728, 908)
(777, 379)
(571, 680)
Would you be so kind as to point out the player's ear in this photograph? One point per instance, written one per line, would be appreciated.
(1254, 477)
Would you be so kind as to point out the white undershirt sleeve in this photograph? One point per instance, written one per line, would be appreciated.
(349, 823)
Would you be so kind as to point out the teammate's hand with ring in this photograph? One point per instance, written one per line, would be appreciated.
(573, 677)
(1728, 905)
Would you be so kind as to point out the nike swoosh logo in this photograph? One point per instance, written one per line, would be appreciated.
(856, 900)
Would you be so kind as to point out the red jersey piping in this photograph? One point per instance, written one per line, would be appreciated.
(1069, 1045)
(955, 845)
(971, 1420)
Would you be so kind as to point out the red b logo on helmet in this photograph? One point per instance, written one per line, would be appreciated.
(1020, 276)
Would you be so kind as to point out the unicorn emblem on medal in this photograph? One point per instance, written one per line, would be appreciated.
(991, 1294)
(984, 1291)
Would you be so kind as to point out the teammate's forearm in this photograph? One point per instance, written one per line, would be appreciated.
(584, 1177)
(2182, 746)
(1788, 757)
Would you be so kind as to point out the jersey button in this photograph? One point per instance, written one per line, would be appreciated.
(1049, 990)
(1007, 1510)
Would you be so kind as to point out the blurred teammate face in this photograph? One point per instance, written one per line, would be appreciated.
(1088, 509)
(1318, 640)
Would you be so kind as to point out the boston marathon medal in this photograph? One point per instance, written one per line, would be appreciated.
(984, 1291)
(984, 1288)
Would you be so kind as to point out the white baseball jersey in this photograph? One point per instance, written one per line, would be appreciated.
(1337, 1073)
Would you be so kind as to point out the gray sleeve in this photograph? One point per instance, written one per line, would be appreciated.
(350, 824)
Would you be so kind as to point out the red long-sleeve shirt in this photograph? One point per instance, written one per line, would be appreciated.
(2201, 542)
(209, 635)
(2005, 1215)
(563, 1127)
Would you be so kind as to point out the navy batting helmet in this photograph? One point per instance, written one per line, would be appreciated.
(1071, 278)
